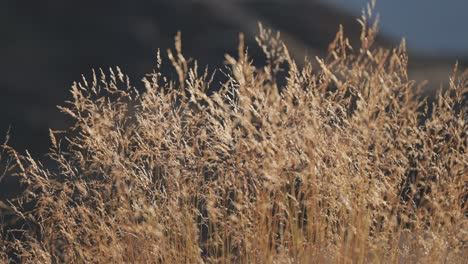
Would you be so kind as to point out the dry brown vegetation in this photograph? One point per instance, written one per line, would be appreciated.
(343, 162)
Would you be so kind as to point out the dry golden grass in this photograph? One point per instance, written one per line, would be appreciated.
(345, 163)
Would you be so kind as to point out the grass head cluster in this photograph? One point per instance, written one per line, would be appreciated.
(339, 160)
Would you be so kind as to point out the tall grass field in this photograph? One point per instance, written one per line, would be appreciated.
(340, 160)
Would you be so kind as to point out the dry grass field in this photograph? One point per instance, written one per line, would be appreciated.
(343, 162)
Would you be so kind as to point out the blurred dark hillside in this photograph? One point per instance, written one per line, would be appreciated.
(46, 45)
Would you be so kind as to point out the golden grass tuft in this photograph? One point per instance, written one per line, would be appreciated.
(344, 163)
